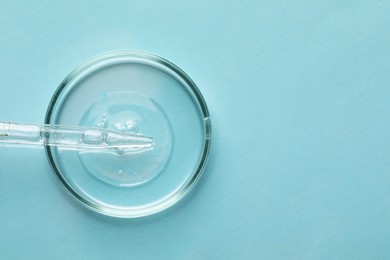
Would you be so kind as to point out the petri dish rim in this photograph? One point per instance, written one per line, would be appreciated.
(180, 192)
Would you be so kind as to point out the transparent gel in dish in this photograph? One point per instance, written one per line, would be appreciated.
(139, 94)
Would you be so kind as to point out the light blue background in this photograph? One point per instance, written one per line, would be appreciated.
(299, 96)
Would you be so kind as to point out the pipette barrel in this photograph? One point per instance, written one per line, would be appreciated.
(72, 137)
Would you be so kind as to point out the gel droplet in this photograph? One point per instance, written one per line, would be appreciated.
(132, 113)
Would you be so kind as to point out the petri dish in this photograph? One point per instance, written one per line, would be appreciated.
(141, 94)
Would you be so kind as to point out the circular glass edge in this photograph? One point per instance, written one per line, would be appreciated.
(185, 188)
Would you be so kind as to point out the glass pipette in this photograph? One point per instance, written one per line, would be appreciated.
(84, 139)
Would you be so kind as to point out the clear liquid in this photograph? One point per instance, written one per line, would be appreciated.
(133, 113)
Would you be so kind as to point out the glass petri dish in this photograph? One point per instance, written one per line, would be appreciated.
(141, 94)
